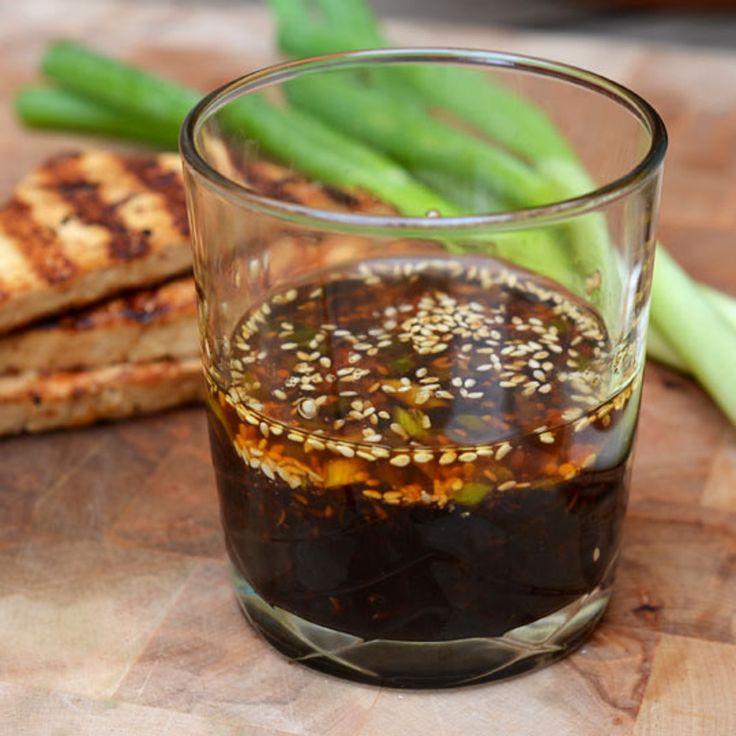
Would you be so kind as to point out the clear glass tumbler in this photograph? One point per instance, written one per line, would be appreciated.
(424, 373)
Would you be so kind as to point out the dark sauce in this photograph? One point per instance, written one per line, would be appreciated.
(422, 449)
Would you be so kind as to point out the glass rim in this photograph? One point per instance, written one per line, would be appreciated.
(636, 177)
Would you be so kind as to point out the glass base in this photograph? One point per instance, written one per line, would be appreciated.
(435, 664)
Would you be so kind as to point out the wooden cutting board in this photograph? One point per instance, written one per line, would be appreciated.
(116, 614)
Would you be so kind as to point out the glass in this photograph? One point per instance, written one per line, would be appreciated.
(422, 426)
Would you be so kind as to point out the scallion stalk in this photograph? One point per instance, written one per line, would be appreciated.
(679, 305)
(696, 331)
(57, 109)
(317, 151)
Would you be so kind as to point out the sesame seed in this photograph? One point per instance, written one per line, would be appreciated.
(467, 457)
(547, 438)
(400, 461)
(570, 415)
(447, 458)
(589, 460)
(422, 456)
(399, 430)
(503, 450)
(307, 408)
(507, 486)
(345, 450)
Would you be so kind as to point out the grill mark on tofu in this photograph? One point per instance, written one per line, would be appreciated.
(273, 180)
(41, 249)
(165, 182)
(338, 196)
(66, 177)
(143, 307)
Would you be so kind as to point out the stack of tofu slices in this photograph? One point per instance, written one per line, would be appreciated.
(97, 307)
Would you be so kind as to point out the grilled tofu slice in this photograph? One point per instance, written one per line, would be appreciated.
(33, 402)
(147, 325)
(87, 225)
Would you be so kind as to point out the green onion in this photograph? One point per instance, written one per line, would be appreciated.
(723, 304)
(348, 25)
(122, 87)
(57, 109)
(405, 132)
(411, 91)
(696, 331)
(683, 313)
(317, 151)
(659, 349)
(355, 16)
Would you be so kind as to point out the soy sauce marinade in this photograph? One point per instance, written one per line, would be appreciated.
(421, 449)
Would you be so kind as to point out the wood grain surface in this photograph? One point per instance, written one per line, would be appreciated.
(116, 613)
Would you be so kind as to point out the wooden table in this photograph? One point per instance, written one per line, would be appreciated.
(116, 614)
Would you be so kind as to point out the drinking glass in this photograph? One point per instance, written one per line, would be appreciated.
(422, 422)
